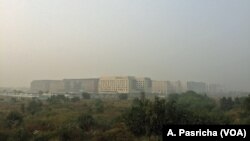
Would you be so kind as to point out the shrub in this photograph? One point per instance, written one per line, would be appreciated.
(86, 122)
(85, 95)
(14, 119)
(34, 106)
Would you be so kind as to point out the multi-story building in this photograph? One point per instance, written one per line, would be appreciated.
(81, 85)
(198, 87)
(180, 86)
(214, 89)
(116, 84)
(56, 86)
(90, 85)
(40, 85)
(47, 86)
(121, 84)
(170, 87)
(176, 87)
(143, 84)
(65, 86)
(159, 87)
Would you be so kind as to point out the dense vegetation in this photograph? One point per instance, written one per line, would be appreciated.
(61, 118)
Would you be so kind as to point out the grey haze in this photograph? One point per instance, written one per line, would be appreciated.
(200, 40)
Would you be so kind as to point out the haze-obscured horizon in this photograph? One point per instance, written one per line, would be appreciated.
(200, 40)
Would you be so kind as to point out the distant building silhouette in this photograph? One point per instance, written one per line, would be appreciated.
(198, 87)
(122, 84)
(159, 87)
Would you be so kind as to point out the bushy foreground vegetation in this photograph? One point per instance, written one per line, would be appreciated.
(61, 118)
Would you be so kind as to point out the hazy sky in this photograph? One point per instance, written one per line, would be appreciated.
(200, 40)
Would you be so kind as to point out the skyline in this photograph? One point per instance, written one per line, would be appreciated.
(196, 40)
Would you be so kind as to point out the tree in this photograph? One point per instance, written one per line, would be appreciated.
(237, 101)
(57, 99)
(246, 104)
(3, 136)
(14, 119)
(135, 118)
(117, 133)
(157, 116)
(22, 108)
(142, 96)
(123, 96)
(99, 106)
(75, 99)
(40, 92)
(147, 117)
(192, 101)
(13, 100)
(226, 103)
(34, 106)
(86, 122)
(86, 95)
(21, 135)
(70, 132)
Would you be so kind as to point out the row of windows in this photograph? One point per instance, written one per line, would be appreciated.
(113, 86)
(113, 83)
(114, 89)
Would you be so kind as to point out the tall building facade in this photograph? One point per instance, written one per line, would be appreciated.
(176, 87)
(52, 86)
(143, 84)
(159, 87)
(56, 86)
(116, 84)
(180, 86)
(214, 89)
(65, 86)
(81, 85)
(198, 87)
